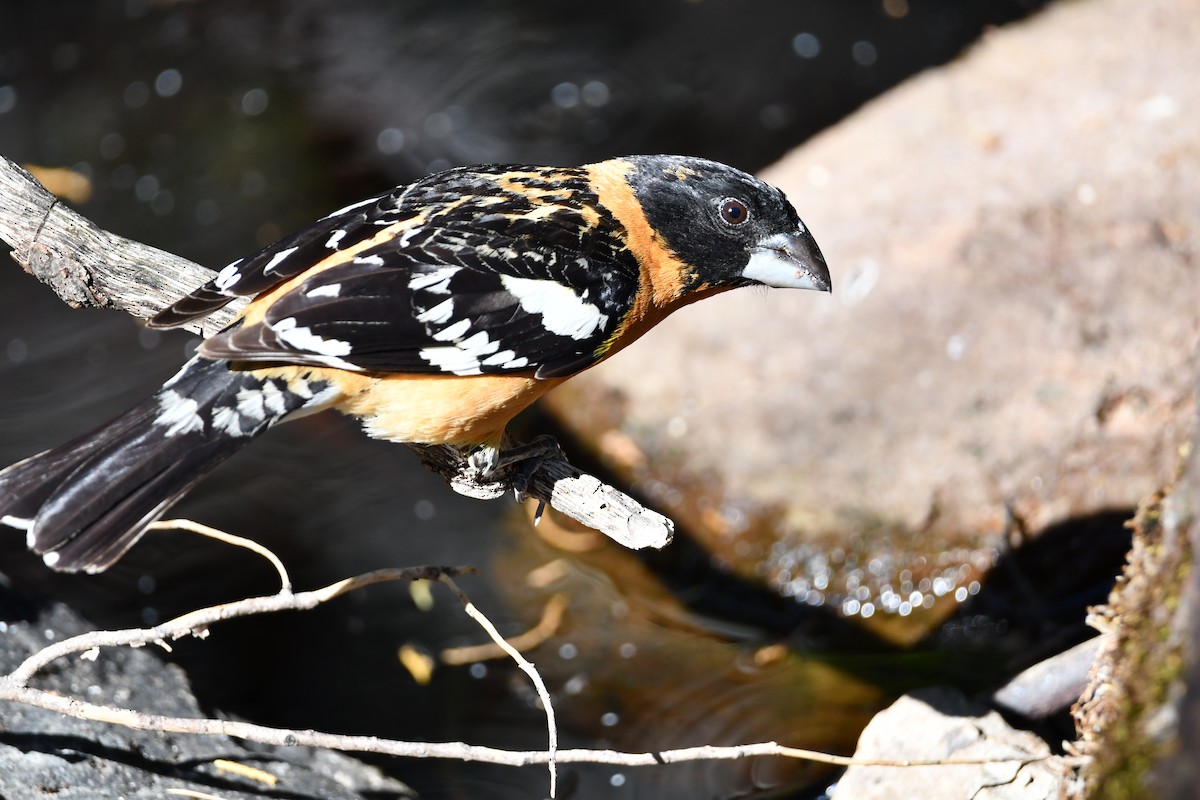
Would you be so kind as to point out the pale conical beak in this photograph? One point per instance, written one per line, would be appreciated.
(789, 261)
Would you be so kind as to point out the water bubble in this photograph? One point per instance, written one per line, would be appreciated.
(596, 93)
(145, 188)
(168, 83)
(112, 145)
(806, 45)
(149, 339)
(390, 141)
(162, 203)
(17, 350)
(864, 53)
(424, 510)
(136, 94)
(438, 125)
(255, 102)
(565, 95)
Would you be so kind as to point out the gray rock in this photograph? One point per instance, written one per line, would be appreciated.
(935, 724)
(44, 754)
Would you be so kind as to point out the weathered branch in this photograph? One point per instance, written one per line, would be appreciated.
(14, 687)
(87, 266)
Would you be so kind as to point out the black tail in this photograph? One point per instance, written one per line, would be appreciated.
(85, 503)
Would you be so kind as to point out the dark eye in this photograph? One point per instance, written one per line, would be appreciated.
(734, 211)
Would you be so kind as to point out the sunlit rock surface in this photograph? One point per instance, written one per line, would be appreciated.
(934, 725)
(1011, 341)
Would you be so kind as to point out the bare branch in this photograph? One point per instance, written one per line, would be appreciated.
(526, 667)
(450, 750)
(87, 266)
(285, 581)
(14, 687)
(195, 623)
(547, 626)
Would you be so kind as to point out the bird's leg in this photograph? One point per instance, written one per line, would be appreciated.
(524, 460)
(530, 454)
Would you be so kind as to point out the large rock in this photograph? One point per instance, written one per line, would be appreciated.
(1013, 329)
(45, 754)
(937, 725)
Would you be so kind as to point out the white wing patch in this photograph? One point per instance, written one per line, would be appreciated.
(563, 311)
(506, 359)
(178, 414)
(273, 399)
(304, 339)
(278, 259)
(465, 357)
(328, 290)
(334, 238)
(350, 207)
(16, 522)
(229, 421)
(436, 281)
(228, 276)
(439, 314)
(250, 404)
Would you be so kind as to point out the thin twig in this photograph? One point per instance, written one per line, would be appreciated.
(14, 688)
(552, 616)
(458, 751)
(285, 582)
(195, 623)
(526, 667)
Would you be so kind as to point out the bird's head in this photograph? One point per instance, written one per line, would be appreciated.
(729, 227)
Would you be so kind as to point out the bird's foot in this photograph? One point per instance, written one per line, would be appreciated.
(523, 460)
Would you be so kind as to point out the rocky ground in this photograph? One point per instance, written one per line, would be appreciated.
(45, 754)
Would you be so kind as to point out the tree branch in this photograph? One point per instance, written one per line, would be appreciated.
(87, 266)
(14, 687)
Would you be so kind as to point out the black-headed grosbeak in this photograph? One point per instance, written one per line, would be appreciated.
(433, 313)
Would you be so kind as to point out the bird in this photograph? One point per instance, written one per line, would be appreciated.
(432, 313)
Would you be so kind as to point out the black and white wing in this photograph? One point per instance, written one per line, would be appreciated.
(482, 270)
(399, 315)
(328, 238)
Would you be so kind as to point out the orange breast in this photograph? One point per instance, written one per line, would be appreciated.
(443, 409)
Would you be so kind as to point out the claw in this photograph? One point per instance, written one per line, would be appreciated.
(484, 460)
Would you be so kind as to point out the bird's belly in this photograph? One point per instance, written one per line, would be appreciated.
(442, 409)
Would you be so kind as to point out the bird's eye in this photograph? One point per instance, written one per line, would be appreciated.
(734, 211)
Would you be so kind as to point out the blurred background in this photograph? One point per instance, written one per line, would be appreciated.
(211, 129)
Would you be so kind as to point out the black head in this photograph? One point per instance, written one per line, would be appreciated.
(732, 228)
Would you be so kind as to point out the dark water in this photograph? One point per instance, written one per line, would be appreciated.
(210, 129)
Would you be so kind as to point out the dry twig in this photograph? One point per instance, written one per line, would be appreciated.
(15, 687)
